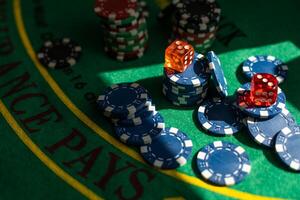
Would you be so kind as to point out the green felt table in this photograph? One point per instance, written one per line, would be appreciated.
(55, 145)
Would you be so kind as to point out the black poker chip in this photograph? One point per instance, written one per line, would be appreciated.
(59, 53)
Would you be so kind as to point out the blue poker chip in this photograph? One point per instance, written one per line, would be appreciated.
(264, 131)
(217, 74)
(265, 64)
(223, 163)
(262, 112)
(220, 117)
(169, 150)
(122, 99)
(287, 146)
(176, 94)
(193, 76)
(141, 134)
(178, 90)
(185, 99)
(138, 118)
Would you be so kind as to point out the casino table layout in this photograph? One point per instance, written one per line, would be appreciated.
(54, 144)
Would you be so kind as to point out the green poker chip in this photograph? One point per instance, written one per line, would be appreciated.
(125, 42)
(130, 48)
(129, 34)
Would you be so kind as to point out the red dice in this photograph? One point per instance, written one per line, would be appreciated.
(179, 55)
(263, 91)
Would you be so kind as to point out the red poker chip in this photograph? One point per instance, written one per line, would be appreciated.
(115, 9)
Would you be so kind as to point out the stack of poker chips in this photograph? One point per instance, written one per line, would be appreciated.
(124, 27)
(137, 123)
(129, 106)
(189, 87)
(196, 22)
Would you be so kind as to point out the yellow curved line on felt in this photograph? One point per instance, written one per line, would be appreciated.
(106, 136)
(44, 158)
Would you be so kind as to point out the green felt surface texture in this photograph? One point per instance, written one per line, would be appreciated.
(247, 28)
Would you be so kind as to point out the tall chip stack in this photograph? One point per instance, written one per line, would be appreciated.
(186, 75)
(124, 27)
(196, 22)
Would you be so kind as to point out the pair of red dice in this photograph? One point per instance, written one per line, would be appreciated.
(263, 92)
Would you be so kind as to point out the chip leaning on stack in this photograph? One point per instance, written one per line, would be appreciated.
(196, 21)
(124, 27)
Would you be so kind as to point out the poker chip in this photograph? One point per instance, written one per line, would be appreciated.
(121, 56)
(191, 77)
(141, 134)
(59, 53)
(178, 91)
(261, 112)
(217, 74)
(185, 99)
(115, 9)
(120, 29)
(219, 117)
(169, 150)
(130, 33)
(122, 99)
(142, 116)
(223, 163)
(265, 64)
(130, 48)
(198, 37)
(265, 131)
(287, 146)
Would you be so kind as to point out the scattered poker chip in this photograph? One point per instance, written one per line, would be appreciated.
(59, 53)
(169, 150)
(265, 64)
(220, 117)
(191, 77)
(217, 74)
(223, 163)
(122, 99)
(141, 134)
(115, 9)
(261, 112)
(265, 131)
(287, 146)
